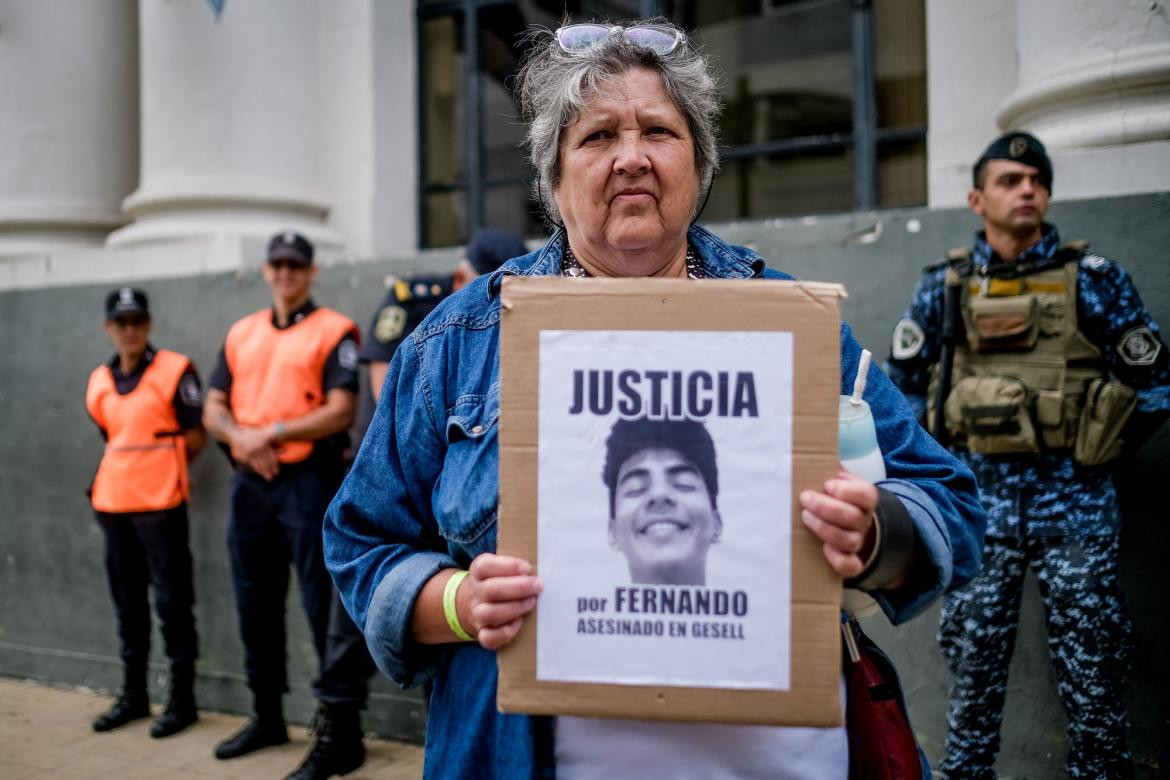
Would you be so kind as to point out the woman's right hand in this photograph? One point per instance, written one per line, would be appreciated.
(494, 598)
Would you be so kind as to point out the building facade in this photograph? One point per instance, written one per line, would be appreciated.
(161, 143)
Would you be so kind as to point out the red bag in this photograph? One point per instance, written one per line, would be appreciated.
(881, 742)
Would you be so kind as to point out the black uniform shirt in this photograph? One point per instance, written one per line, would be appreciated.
(407, 304)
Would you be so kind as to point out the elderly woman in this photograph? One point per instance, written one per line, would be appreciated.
(622, 138)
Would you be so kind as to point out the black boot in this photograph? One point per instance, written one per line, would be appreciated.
(180, 712)
(264, 729)
(338, 749)
(132, 705)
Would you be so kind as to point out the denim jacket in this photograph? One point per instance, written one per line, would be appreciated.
(422, 494)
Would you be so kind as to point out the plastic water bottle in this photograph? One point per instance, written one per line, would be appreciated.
(857, 445)
(857, 448)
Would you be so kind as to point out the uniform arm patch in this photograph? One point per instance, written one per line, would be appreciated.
(1139, 347)
(909, 339)
(390, 324)
(189, 390)
(347, 355)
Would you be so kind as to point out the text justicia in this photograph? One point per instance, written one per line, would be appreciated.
(664, 394)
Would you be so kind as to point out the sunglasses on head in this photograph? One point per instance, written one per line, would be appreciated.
(582, 37)
(292, 265)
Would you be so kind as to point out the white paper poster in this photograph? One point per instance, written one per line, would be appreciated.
(664, 508)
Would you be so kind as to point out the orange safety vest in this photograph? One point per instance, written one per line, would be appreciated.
(277, 374)
(144, 466)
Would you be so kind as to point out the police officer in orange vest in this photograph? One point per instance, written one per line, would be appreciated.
(146, 402)
(281, 398)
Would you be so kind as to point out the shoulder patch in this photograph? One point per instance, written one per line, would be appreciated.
(908, 339)
(189, 390)
(1095, 262)
(390, 324)
(347, 354)
(1139, 347)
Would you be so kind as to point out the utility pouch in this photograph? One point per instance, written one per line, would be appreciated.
(1107, 408)
(997, 324)
(991, 414)
(1057, 415)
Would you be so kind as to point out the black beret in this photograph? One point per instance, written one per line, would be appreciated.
(1022, 148)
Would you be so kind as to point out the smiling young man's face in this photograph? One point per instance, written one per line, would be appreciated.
(663, 520)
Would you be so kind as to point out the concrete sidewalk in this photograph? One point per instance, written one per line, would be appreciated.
(45, 734)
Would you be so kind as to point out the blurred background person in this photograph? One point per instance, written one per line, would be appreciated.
(147, 404)
(411, 299)
(407, 303)
(281, 398)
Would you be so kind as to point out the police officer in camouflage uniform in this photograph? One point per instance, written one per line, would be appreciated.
(1056, 364)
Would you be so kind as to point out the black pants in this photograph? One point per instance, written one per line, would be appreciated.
(347, 666)
(275, 524)
(149, 550)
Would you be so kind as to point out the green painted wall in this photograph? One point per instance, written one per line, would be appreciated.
(56, 621)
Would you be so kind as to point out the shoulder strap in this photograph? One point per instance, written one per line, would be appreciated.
(955, 258)
(336, 324)
(101, 380)
(1072, 251)
(169, 368)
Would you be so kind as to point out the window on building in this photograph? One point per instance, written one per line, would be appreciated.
(825, 105)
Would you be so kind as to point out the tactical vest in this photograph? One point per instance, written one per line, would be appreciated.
(1024, 371)
(277, 373)
(144, 466)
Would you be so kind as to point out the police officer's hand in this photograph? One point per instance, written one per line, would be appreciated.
(842, 518)
(492, 602)
(253, 447)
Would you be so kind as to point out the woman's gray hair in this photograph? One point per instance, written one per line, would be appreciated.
(553, 87)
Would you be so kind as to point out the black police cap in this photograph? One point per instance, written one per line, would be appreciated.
(1020, 147)
(488, 249)
(290, 245)
(126, 300)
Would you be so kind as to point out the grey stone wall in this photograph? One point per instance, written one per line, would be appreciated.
(57, 625)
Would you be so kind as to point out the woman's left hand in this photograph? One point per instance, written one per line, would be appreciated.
(499, 592)
(842, 518)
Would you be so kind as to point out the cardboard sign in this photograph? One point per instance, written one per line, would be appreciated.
(654, 438)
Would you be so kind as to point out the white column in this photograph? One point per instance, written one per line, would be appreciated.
(367, 145)
(970, 68)
(1094, 86)
(230, 118)
(397, 147)
(68, 130)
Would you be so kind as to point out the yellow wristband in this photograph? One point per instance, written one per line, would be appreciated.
(449, 611)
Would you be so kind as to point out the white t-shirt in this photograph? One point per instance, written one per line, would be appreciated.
(610, 748)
